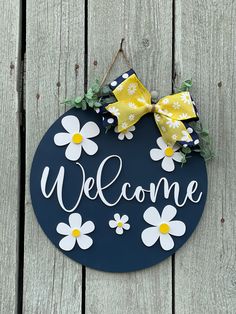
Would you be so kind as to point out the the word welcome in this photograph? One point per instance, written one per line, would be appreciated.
(137, 193)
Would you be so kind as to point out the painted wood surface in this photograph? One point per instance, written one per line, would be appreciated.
(9, 153)
(67, 41)
(54, 71)
(205, 41)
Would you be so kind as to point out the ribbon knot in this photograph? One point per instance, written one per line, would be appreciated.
(170, 112)
(152, 107)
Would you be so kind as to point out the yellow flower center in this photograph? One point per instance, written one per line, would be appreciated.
(75, 233)
(164, 228)
(77, 138)
(120, 224)
(169, 151)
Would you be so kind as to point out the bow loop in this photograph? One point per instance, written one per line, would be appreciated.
(134, 101)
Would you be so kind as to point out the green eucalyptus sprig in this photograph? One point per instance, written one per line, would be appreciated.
(205, 145)
(185, 86)
(94, 98)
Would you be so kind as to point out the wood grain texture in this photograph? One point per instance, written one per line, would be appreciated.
(54, 71)
(205, 41)
(9, 153)
(147, 29)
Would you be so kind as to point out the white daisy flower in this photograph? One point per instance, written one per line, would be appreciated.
(126, 133)
(75, 232)
(163, 227)
(132, 88)
(157, 117)
(183, 116)
(163, 129)
(76, 138)
(132, 105)
(186, 98)
(167, 153)
(142, 99)
(186, 137)
(176, 105)
(120, 223)
(124, 125)
(173, 123)
(115, 111)
(165, 101)
(131, 117)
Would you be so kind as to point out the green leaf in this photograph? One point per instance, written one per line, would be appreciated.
(95, 87)
(109, 100)
(89, 94)
(183, 160)
(84, 105)
(105, 90)
(91, 103)
(186, 150)
(186, 85)
(205, 133)
(78, 99)
(69, 102)
(97, 104)
(78, 105)
(107, 128)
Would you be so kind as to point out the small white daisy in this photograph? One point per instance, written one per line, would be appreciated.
(132, 88)
(120, 223)
(163, 129)
(167, 153)
(76, 138)
(183, 116)
(75, 232)
(176, 105)
(113, 110)
(142, 99)
(131, 117)
(126, 133)
(132, 105)
(124, 125)
(157, 117)
(162, 227)
(186, 98)
(186, 137)
(165, 101)
(173, 123)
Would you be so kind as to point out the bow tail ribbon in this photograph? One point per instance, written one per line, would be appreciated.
(172, 130)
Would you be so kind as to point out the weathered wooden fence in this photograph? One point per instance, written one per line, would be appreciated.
(49, 50)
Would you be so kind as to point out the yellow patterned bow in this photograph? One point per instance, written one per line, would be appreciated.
(134, 101)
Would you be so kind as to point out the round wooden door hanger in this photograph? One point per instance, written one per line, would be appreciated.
(115, 201)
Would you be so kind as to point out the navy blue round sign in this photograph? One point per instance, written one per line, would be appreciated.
(115, 202)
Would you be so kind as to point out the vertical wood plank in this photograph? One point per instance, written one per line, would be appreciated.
(205, 40)
(147, 29)
(54, 71)
(9, 153)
